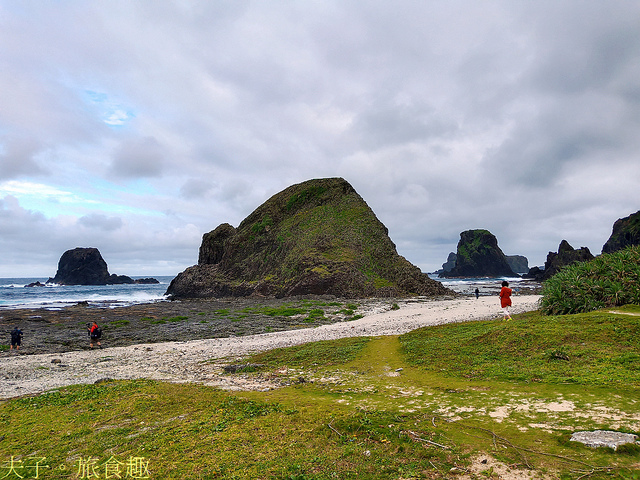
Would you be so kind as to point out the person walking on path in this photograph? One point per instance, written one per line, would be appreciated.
(94, 334)
(16, 338)
(505, 299)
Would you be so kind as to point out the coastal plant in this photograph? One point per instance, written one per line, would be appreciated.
(609, 280)
(315, 314)
(118, 323)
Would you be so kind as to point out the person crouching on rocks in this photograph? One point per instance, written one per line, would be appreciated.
(95, 332)
(505, 299)
(16, 338)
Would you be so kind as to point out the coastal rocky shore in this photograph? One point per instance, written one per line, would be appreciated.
(65, 329)
(194, 357)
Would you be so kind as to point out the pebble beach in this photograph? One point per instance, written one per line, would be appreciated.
(202, 360)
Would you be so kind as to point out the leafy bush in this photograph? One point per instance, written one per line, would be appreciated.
(609, 280)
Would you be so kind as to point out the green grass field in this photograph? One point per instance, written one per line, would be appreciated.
(429, 404)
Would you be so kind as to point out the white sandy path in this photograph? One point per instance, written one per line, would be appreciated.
(191, 361)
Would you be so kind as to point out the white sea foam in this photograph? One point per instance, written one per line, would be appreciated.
(14, 293)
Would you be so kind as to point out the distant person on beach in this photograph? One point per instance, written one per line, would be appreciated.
(16, 338)
(477, 292)
(95, 332)
(505, 299)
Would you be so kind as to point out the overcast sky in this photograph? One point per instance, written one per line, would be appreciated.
(137, 126)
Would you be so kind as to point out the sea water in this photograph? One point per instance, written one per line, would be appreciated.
(14, 293)
(485, 285)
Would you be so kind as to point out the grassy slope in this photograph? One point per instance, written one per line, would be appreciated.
(357, 415)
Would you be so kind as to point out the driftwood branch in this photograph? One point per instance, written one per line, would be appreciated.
(415, 436)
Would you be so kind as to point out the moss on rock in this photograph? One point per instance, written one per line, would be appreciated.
(316, 237)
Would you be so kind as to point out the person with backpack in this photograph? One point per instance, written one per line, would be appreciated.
(95, 333)
(16, 338)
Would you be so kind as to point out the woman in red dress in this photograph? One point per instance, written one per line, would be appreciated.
(505, 299)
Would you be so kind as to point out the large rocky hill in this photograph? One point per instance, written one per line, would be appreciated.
(316, 237)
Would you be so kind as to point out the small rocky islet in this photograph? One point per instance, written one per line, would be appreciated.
(85, 266)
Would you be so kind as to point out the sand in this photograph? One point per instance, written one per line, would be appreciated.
(202, 361)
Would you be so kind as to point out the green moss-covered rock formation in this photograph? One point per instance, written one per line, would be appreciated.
(316, 237)
(626, 232)
(478, 255)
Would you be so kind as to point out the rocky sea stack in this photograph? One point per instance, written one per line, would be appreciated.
(85, 266)
(317, 237)
(478, 255)
(566, 255)
(626, 233)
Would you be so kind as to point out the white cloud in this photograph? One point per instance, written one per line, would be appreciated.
(16, 187)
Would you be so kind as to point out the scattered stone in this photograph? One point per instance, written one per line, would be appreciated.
(56, 360)
(603, 438)
(103, 380)
(241, 368)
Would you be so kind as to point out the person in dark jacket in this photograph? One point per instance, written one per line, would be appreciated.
(16, 338)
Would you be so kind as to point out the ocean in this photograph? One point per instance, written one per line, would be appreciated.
(15, 294)
(486, 285)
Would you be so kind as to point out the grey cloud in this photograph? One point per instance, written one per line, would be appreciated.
(195, 188)
(101, 222)
(18, 158)
(138, 158)
(393, 124)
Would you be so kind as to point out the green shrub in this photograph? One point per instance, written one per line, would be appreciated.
(609, 280)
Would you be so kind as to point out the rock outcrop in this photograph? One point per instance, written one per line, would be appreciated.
(85, 266)
(316, 237)
(478, 255)
(626, 232)
(518, 263)
(450, 263)
(566, 255)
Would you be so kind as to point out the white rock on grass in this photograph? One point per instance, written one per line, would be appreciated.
(603, 438)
